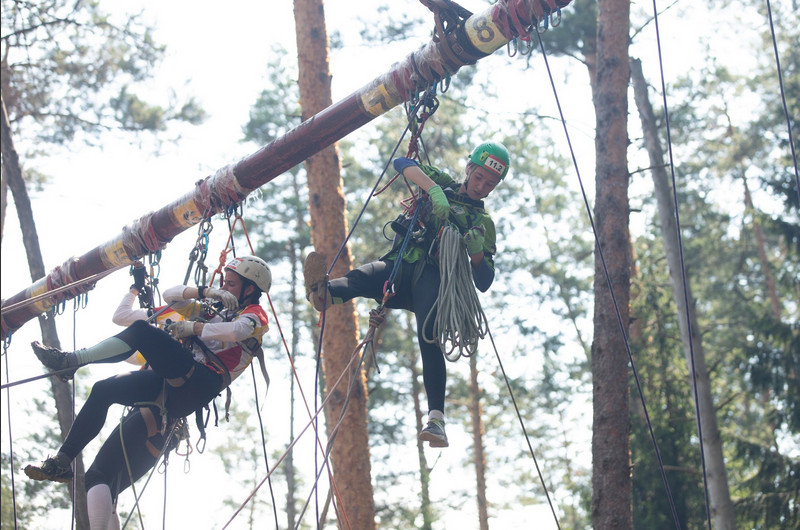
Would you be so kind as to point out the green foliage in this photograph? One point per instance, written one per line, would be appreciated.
(388, 29)
(580, 41)
(34, 499)
(70, 69)
(662, 370)
(771, 495)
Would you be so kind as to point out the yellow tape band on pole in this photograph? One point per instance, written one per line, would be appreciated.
(39, 288)
(484, 33)
(377, 100)
(187, 214)
(113, 254)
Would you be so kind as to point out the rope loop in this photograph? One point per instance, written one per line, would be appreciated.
(377, 316)
(460, 321)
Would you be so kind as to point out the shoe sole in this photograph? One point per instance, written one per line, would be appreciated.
(434, 441)
(36, 473)
(39, 350)
(314, 273)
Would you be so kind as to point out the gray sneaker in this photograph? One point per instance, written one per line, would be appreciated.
(434, 433)
(51, 469)
(54, 359)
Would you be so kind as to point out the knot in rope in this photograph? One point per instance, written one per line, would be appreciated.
(377, 316)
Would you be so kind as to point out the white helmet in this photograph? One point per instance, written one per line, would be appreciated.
(254, 269)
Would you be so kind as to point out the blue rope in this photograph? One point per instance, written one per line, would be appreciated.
(389, 285)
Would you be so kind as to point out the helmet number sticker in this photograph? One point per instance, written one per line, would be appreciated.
(494, 165)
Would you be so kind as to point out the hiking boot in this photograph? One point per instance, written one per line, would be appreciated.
(54, 359)
(315, 275)
(51, 469)
(434, 433)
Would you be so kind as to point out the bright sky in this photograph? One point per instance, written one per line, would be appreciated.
(220, 53)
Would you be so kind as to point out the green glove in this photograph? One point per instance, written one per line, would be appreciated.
(473, 240)
(441, 208)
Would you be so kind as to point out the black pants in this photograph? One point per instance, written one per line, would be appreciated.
(418, 297)
(168, 360)
(133, 443)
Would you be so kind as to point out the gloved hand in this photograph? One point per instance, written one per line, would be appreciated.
(139, 274)
(228, 300)
(473, 239)
(181, 329)
(441, 208)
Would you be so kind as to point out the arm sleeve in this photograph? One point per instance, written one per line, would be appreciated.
(125, 315)
(483, 275)
(240, 329)
(174, 296)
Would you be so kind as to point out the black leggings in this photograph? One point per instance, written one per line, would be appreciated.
(132, 444)
(169, 361)
(418, 297)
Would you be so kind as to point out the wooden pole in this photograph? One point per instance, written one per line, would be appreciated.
(461, 39)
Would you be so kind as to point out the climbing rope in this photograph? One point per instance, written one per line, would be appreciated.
(236, 212)
(460, 320)
(55, 292)
(783, 101)
(612, 294)
(348, 370)
(6, 344)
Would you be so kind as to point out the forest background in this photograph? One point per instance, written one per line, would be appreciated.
(726, 125)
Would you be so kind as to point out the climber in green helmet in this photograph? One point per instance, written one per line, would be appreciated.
(416, 285)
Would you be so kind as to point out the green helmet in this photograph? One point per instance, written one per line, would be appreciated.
(493, 156)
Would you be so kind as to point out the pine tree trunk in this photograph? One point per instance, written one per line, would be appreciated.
(61, 390)
(426, 507)
(721, 505)
(611, 473)
(350, 454)
(478, 453)
(769, 279)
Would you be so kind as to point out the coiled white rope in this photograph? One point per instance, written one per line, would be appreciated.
(460, 321)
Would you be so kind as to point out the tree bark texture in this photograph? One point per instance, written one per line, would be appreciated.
(478, 453)
(426, 506)
(611, 472)
(350, 452)
(718, 491)
(12, 172)
(758, 232)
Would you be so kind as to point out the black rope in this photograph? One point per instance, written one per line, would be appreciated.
(683, 273)
(164, 450)
(76, 306)
(314, 491)
(783, 100)
(264, 444)
(411, 121)
(610, 287)
(6, 344)
(524, 430)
